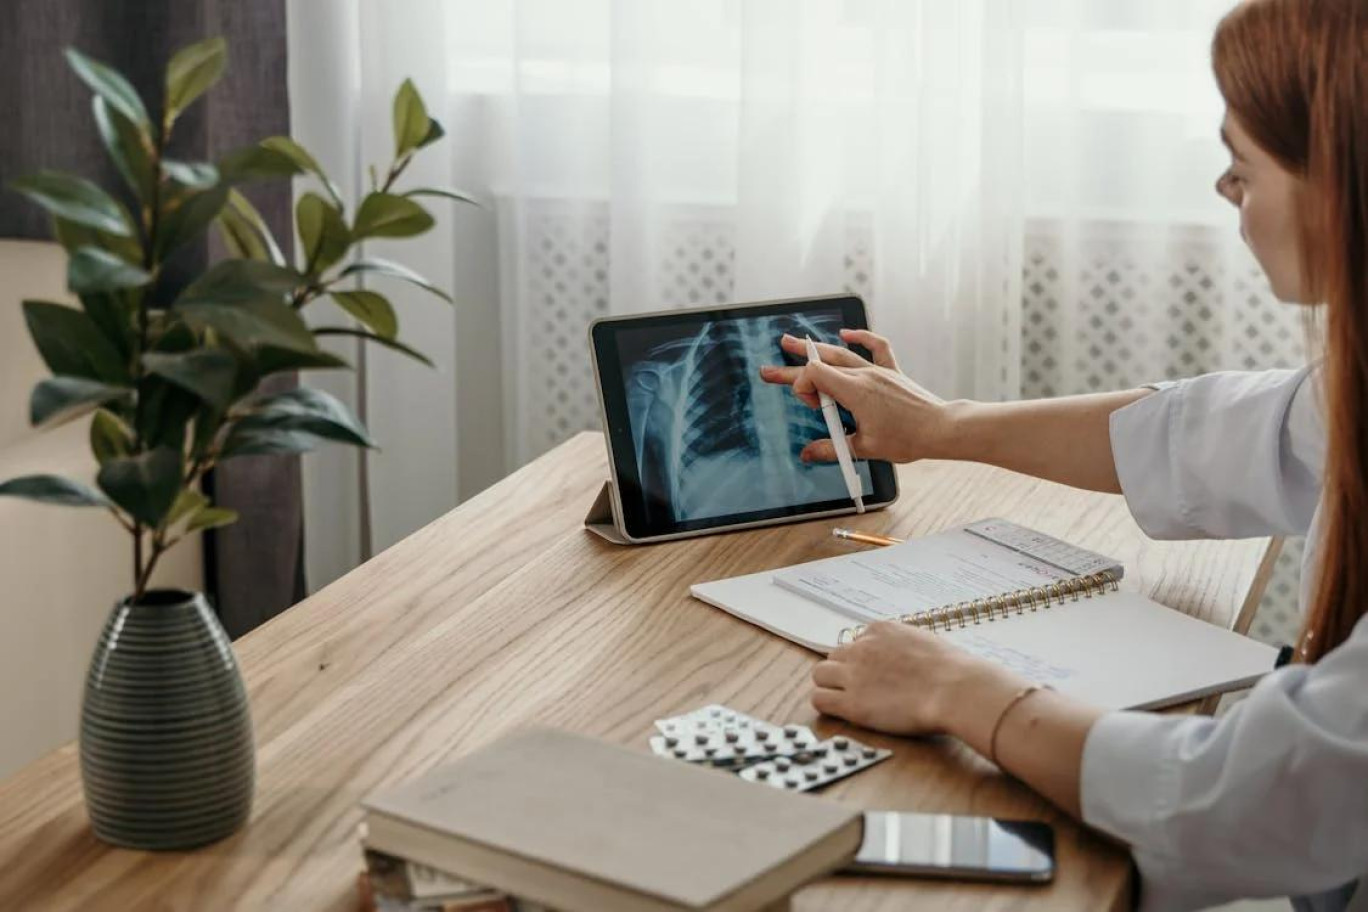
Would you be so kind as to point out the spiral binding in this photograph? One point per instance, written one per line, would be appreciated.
(999, 607)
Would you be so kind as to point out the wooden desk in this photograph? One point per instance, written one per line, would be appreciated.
(505, 612)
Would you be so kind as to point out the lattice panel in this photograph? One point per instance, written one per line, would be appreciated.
(698, 256)
(859, 258)
(566, 270)
(1120, 317)
(1277, 620)
(1115, 308)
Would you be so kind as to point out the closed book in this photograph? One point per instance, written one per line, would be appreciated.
(577, 824)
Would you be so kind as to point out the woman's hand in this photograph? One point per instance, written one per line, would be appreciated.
(903, 680)
(906, 681)
(897, 419)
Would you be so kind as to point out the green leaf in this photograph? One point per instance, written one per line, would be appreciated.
(270, 360)
(240, 280)
(193, 71)
(323, 233)
(208, 421)
(456, 195)
(188, 501)
(165, 408)
(258, 441)
(110, 438)
(209, 373)
(175, 337)
(165, 412)
(190, 217)
(71, 344)
(91, 270)
(387, 215)
(76, 200)
(245, 232)
(388, 343)
(395, 271)
(110, 86)
(197, 175)
(113, 316)
(53, 489)
(253, 323)
(301, 158)
(73, 236)
(434, 133)
(211, 518)
(146, 485)
(253, 163)
(57, 399)
(308, 410)
(370, 308)
(129, 147)
(239, 236)
(292, 150)
(411, 122)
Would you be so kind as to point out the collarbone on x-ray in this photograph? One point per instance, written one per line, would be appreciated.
(710, 437)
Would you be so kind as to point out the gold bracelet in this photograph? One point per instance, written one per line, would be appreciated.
(1002, 716)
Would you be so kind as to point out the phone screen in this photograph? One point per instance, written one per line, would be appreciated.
(952, 846)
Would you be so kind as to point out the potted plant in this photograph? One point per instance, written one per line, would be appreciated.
(173, 377)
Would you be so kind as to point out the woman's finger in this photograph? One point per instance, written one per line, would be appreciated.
(830, 354)
(772, 373)
(825, 451)
(878, 346)
(832, 675)
(829, 702)
(840, 383)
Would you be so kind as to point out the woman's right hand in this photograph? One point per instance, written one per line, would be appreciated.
(897, 419)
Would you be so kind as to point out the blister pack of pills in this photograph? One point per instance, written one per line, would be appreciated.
(785, 756)
(825, 763)
(718, 736)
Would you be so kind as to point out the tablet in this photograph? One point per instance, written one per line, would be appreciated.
(697, 441)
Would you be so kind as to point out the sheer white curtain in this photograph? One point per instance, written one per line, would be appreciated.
(656, 154)
(1133, 266)
(1014, 187)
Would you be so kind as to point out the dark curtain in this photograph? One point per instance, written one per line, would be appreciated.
(254, 569)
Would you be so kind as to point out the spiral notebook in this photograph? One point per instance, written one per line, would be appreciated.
(1047, 609)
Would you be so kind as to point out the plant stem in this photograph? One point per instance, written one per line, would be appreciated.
(127, 526)
(137, 559)
(142, 573)
(158, 546)
(396, 169)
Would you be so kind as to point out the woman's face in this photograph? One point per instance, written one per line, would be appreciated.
(1266, 196)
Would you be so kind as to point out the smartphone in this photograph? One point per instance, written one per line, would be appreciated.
(963, 848)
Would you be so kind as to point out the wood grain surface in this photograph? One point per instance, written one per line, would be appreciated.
(506, 612)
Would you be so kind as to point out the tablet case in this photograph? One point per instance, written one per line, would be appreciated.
(603, 520)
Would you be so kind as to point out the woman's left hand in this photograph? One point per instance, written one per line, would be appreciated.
(904, 680)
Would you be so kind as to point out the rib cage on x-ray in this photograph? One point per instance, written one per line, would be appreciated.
(711, 436)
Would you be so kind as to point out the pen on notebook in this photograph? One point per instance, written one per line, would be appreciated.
(865, 538)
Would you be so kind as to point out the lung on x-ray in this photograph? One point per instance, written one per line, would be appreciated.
(711, 438)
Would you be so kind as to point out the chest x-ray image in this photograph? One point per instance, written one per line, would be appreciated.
(711, 439)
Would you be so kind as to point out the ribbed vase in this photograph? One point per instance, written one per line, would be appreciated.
(167, 759)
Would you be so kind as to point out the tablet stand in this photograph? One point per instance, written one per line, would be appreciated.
(603, 520)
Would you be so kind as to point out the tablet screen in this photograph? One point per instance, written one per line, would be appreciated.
(709, 443)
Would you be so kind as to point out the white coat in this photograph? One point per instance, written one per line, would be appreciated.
(1272, 798)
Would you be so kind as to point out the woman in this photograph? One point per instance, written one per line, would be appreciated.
(1271, 799)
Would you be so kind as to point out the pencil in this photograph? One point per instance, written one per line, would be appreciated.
(865, 538)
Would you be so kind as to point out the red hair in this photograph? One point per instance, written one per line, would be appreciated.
(1294, 73)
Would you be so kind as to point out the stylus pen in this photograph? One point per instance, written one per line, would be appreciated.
(838, 438)
(865, 538)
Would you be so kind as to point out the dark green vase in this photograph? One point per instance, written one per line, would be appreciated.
(167, 759)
